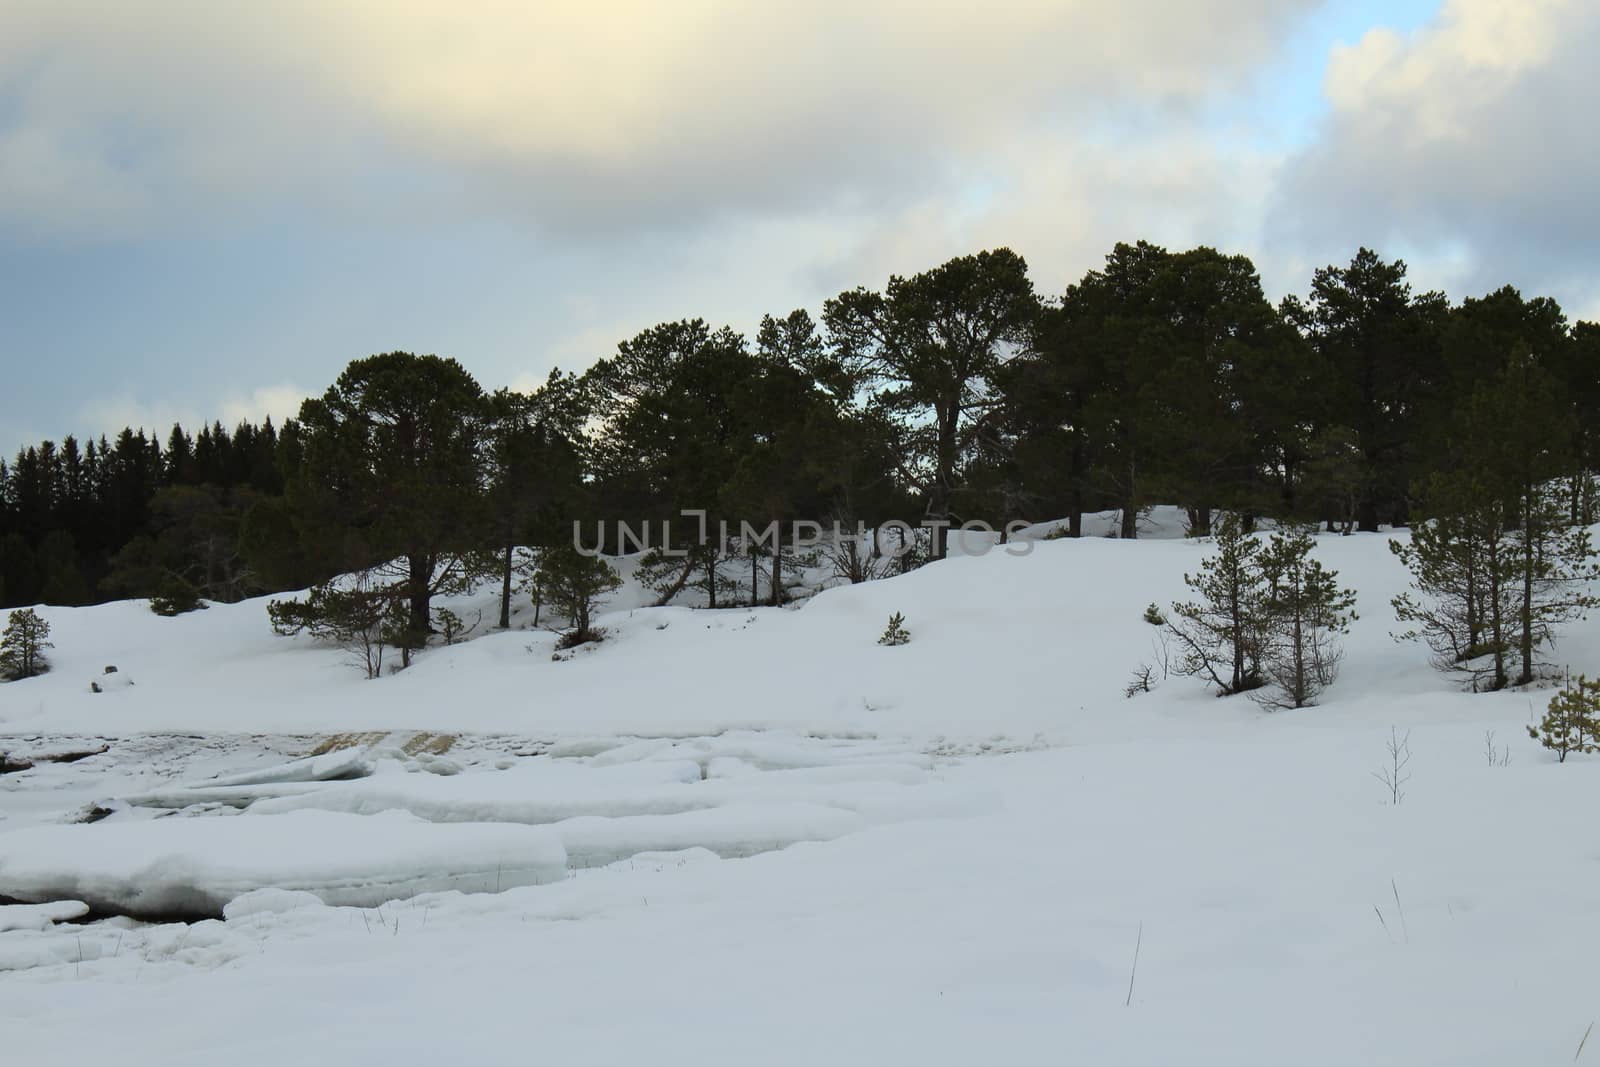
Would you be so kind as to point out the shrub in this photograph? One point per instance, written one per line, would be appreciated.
(177, 597)
(896, 632)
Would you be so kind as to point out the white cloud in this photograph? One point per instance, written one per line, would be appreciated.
(580, 117)
(1463, 146)
(278, 402)
(108, 414)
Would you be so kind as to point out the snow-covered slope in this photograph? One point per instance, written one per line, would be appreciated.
(790, 845)
(1002, 644)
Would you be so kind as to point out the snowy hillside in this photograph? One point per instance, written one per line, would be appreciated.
(757, 836)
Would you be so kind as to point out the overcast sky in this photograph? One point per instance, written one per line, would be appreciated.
(208, 208)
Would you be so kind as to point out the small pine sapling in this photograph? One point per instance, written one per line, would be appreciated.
(1572, 721)
(896, 632)
(449, 623)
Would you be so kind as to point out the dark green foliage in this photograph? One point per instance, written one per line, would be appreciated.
(933, 344)
(392, 469)
(574, 584)
(1378, 366)
(1496, 568)
(22, 645)
(1153, 616)
(951, 394)
(536, 459)
(177, 597)
(68, 511)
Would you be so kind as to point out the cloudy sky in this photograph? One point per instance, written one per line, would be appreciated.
(207, 208)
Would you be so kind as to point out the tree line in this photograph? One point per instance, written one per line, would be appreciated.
(86, 521)
(955, 394)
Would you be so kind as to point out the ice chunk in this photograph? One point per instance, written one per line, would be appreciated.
(328, 767)
(189, 868)
(40, 916)
(230, 796)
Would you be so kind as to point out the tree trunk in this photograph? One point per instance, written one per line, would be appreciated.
(421, 593)
(1130, 511)
(776, 597)
(1367, 515)
(505, 591)
(944, 479)
(1496, 619)
(1075, 496)
(1526, 619)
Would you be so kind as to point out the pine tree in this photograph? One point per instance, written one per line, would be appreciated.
(1306, 612)
(22, 645)
(1460, 602)
(392, 469)
(1221, 636)
(574, 584)
(934, 342)
(360, 613)
(1552, 562)
(1497, 564)
(1572, 720)
(535, 469)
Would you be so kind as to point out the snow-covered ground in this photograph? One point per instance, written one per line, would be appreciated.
(783, 843)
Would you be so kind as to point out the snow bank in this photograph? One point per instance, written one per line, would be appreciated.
(194, 867)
